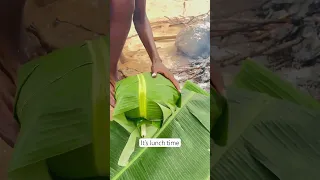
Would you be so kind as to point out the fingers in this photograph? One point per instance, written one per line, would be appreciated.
(220, 89)
(216, 79)
(112, 95)
(174, 81)
(154, 75)
(111, 112)
(112, 101)
(169, 76)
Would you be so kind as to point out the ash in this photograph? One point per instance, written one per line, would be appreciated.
(193, 42)
(284, 36)
(197, 72)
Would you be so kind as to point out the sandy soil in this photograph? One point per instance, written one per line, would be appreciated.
(90, 14)
(135, 57)
(164, 22)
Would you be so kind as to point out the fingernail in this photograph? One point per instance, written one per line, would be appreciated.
(154, 74)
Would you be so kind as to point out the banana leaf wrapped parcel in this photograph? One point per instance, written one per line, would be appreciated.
(144, 103)
(219, 117)
(152, 108)
(60, 105)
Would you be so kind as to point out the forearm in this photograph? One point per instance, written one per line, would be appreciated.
(118, 34)
(216, 79)
(120, 23)
(144, 31)
(11, 15)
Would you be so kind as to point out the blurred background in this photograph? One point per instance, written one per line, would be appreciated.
(52, 24)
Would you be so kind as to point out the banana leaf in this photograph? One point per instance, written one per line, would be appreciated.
(269, 137)
(190, 122)
(143, 104)
(219, 110)
(143, 99)
(61, 107)
(258, 78)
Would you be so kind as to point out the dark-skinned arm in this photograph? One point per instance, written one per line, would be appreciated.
(216, 79)
(143, 28)
(11, 56)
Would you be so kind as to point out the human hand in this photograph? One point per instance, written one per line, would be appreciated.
(9, 126)
(159, 67)
(112, 94)
(216, 79)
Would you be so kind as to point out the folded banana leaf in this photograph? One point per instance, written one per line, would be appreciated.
(258, 78)
(61, 107)
(143, 104)
(219, 118)
(269, 137)
(190, 122)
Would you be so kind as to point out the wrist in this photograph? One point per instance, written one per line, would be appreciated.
(156, 60)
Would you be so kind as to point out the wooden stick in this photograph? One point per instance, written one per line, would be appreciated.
(159, 38)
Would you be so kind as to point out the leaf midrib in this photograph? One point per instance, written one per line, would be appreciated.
(156, 135)
(99, 149)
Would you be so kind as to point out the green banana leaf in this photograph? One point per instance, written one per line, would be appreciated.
(219, 110)
(190, 123)
(258, 78)
(143, 104)
(61, 107)
(269, 137)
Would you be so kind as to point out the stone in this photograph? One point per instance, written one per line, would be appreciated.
(194, 41)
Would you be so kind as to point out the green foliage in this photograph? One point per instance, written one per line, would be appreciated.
(273, 130)
(60, 105)
(190, 122)
(219, 118)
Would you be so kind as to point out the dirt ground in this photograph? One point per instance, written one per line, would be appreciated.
(303, 78)
(67, 22)
(165, 27)
(59, 25)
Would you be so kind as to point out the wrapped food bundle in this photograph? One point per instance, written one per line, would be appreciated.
(219, 117)
(60, 105)
(143, 104)
(155, 104)
(145, 101)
